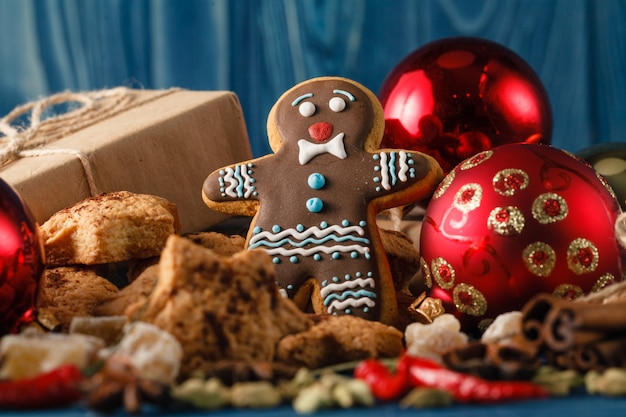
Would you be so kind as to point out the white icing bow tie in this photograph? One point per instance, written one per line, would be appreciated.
(308, 150)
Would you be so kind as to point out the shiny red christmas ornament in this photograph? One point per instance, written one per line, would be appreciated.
(515, 221)
(456, 97)
(21, 260)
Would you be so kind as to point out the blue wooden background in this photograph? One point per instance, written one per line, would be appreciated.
(260, 48)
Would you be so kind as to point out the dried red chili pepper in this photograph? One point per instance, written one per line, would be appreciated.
(385, 385)
(467, 388)
(56, 388)
(420, 372)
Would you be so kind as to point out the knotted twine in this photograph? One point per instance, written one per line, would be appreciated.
(94, 106)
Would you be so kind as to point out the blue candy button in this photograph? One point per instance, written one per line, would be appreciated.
(314, 205)
(316, 181)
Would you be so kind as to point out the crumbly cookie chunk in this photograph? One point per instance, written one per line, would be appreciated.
(219, 307)
(136, 292)
(338, 339)
(68, 292)
(109, 228)
(218, 242)
(141, 285)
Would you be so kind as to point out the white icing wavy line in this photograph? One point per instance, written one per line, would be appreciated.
(232, 181)
(340, 287)
(247, 183)
(326, 249)
(315, 231)
(351, 302)
(404, 167)
(384, 171)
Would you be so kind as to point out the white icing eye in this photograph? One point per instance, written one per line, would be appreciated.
(307, 109)
(337, 104)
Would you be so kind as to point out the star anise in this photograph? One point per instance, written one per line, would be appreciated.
(118, 384)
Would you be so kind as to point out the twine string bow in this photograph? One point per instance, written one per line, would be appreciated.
(93, 106)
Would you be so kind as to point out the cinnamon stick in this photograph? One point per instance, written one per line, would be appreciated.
(533, 316)
(560, 324)
(601, 355)
(561, 331)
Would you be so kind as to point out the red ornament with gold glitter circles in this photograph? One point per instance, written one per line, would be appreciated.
(21, 261)
(514, 221)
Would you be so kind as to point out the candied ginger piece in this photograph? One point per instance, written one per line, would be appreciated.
(27, 355)
(435, 339)
(504, 328)
(155, 352)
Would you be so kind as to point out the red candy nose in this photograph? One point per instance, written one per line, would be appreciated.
(320, 131)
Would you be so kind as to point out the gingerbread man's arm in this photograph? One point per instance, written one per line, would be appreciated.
(232, 189)
(408, 176)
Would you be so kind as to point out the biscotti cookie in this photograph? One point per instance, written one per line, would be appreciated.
(68, 292)
(109, 228)
(316, 198)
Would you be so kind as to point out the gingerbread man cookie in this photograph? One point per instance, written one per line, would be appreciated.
(316, 198)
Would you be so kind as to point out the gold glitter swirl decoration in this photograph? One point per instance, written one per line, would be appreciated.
(549, 208)
(476, 160)
(539, 258)
(582, 256)
(426, 275)
(509, 182)
(506, 221)
(469, 300)
(568, 291)
(443, 273)
(603, 282)
(444, 185)
(468, 197)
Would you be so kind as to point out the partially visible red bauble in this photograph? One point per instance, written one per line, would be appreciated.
(21, 260)
(455, 97)
(515, 221)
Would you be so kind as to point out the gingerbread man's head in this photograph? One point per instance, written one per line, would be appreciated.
(323, 109)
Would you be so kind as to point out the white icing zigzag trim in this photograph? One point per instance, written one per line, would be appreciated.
(344, 296)
(353, 303)
(333, 287)
(274, 243)
(317, 249)
(311, 231)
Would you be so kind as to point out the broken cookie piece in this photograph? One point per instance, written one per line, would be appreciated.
(219, 307)
(108, 228)
(337, 339)
(68, 292)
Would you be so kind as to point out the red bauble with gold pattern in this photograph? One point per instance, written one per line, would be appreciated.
(515, 221)
(455, 97)
(21, 260)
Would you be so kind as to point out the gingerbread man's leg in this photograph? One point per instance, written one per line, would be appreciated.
(354, 288)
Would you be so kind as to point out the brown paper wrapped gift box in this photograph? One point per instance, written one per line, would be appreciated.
(161, 142)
